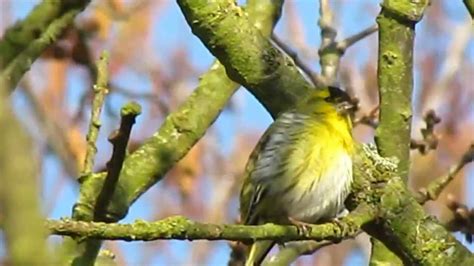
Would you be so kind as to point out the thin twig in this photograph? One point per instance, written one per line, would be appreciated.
(330, 51)
(313, 76)
(53, 130)
(100, 91)
(435, 188)
(463, 218)
(289, 253)
(430, 139)
(369, 119)
(119, 140)
(346, 43)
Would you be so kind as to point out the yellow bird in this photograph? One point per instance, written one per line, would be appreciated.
(301, 169)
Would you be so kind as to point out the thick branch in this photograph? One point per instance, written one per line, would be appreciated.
(470, 7)
(222, 27)
(21, 214)
(395, 66)
(396, 23)
(403, 226)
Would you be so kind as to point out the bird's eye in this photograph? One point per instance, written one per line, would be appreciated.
(331, 99)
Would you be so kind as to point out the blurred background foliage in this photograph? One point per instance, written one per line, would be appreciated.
(156, 61)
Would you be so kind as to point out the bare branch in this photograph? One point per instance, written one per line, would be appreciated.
(463, 220)
(435, 188)
(346, 43)
(119, 140)
(289, 253)
(369, 119)
(330, 51)
(100, 91)
(430, 139)
(315, 78)
(53, 131)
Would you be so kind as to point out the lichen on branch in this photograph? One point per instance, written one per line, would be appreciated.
(179, 227)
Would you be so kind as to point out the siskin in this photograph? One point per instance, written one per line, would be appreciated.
(301, 169)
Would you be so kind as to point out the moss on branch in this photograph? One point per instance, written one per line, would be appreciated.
(396, 23)
(179, 227)
(395, 77)
(249, 57)
(403, 225)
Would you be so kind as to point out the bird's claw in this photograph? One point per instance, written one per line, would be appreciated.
(301, 227)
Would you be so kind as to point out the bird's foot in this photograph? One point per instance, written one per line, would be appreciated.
(301, 227)
(340, 224)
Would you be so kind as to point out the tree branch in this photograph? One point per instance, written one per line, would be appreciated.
(331, 51)
(351, 40)
(435, 188)
(292, 251)
(315, 78)
(119, 140)
(21, 215)
(402, 225)
(23, 43)
(396, 22)
(100, 91)
(182, 228)
(53, 131)
(221, 27)
(470, 7)
(395, 66)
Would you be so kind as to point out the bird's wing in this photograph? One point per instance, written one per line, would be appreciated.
(267, 162)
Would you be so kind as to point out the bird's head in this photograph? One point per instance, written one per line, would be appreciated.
(330, 102)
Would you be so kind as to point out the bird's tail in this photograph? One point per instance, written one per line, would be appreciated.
(258, 251)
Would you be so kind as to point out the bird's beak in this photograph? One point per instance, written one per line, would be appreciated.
(346, 108)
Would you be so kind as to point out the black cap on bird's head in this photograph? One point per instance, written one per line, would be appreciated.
(329, 99)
